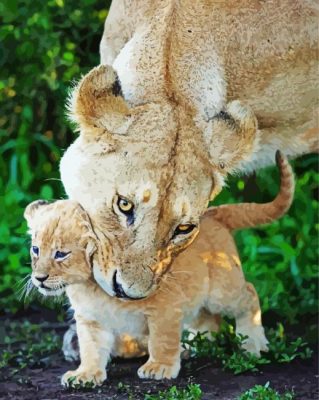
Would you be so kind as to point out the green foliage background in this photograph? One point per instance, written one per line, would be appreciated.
(43, 47)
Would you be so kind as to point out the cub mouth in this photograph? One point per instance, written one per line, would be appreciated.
(47, 291)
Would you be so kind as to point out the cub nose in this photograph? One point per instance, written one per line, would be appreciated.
(41, 278)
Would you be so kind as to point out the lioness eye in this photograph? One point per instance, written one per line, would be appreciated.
(183, 229)
(35, 250)
(125, 205)
(60, 255)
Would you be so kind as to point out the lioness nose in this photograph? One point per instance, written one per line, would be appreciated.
(41, 278)
(119, 291)
(118, 288)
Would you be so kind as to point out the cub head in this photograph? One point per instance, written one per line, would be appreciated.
(63, 243)
(145, 174)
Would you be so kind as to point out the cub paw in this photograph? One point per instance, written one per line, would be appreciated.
(80, 377)
(158, 371)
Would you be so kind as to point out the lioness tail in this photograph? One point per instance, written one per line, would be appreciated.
(244, 215)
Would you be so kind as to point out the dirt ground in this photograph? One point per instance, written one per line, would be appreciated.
(42, 381)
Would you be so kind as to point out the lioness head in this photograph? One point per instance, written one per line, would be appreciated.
(145, 174)
(62, 245)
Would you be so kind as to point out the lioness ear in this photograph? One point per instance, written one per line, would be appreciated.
(233, 136)
(97, 102)
(31, 209)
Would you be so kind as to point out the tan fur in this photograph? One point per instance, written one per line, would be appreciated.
(204, 88)
(239, 216)
(205, 280)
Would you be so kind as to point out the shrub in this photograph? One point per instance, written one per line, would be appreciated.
(43, 47)
(226, 348)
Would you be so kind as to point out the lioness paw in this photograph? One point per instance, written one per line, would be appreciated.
(83, 378)
(154, 370)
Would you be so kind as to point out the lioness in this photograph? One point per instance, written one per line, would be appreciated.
(201, 89)
(204, 280)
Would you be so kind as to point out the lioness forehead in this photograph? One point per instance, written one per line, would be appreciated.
(141, 191)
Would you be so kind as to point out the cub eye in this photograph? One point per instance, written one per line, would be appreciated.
(125, 206)
(184, 229)
(35, 250)
(60, 255)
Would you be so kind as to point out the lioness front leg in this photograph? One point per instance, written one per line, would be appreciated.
(95, 348)
(164, 348)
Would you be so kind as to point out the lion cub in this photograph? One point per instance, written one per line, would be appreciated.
(205, 280)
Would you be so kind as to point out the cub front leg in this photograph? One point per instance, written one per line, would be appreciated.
(163, 346)
(95, 345)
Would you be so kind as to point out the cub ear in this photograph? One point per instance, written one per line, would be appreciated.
(90, 249)
(89, 239)
(97, 102)
(31, 210)
(233, 136)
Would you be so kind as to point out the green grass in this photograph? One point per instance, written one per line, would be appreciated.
(27, 345)
(72, 384)
(265, 392)
(194, 392)
(24, 344)
(127, 389)
(191, 392)
(226, 348)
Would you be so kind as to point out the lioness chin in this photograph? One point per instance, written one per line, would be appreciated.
(205, 280)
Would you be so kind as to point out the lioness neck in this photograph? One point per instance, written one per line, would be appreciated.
(202, 54)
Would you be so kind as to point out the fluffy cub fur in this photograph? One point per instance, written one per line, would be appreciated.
(205, 280)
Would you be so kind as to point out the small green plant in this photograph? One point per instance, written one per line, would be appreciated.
(124, 388)
(191, 392)
(282, 350)
(226, 347)
(27, 345)
(265, 392)
(73, 384)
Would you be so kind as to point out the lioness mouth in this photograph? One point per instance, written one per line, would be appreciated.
(119, 291)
